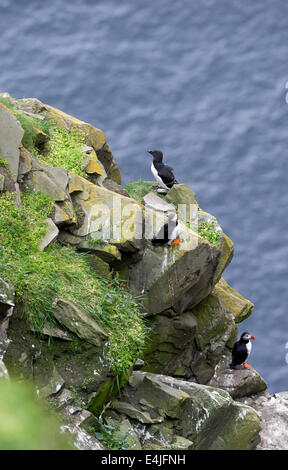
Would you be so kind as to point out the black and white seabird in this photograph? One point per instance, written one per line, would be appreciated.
(163, 174)
(241, 350)
(169, 233)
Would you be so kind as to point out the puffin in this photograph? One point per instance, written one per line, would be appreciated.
(241, 350)
(169, 233)
(163, 174)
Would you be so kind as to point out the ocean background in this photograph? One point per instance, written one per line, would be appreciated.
(205, 82)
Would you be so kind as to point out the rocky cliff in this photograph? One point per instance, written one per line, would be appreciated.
(129, 342)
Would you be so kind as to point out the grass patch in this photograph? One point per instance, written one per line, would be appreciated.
(137, 190)
(209, 232)
(39, 277)
(3, 162)
(66, 151)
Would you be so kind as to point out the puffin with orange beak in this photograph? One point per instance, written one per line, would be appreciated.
(169, 233)
(241, 350)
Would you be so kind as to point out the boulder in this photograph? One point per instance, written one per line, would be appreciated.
(205, 416)
(106, 215)
(237, 382)
(183, 199)
(273, 411)
(170, 341)
(94, 167)
(123, 430)
(54, 384)
(216, 331)
(78, 322)
(226, 256)
(40, 180)
(11, 134)
(130, 410)
(59, 175)
(64, 213)
(183, 274)
(234, 303)
(50, 235)
(94, 138)
(152, 201)
(25, 163)
(103, 250)
(110, 184)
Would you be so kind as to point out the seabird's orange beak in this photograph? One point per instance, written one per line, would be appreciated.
(252, 337)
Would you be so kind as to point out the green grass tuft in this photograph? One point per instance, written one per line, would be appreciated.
(66, 151)
(209, 232)
(3, 162)
(39, 277)
(138, 189)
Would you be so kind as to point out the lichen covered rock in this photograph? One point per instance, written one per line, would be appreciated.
(206, 417)
(183, 274)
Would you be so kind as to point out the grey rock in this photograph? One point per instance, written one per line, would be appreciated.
(237, 382)
(183, 274)
(206, 416)
(273, 411)
(51, 233)
(11, 134)
(60, 175)
(78, 322)
(152, 201)
(170, 341)
(115, 187)
(133, 412)
(39, 180)
(53, 386)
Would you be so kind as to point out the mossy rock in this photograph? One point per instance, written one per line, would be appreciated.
(169, 342)
(234, 302)
(206, 416)
(226, 256)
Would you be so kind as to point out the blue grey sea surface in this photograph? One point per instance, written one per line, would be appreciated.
(202, 80)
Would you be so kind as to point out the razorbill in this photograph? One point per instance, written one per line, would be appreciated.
(241, 350)
(163, 174)
(169, 233)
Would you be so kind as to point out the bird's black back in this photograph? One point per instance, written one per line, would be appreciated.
(239, 353)
(166, 174)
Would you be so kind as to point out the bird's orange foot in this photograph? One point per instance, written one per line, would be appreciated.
(177, 241)
(247, 366)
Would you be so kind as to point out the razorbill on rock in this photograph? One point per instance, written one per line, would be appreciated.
(163, 174)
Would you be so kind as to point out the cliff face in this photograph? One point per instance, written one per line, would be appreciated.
(88, 305)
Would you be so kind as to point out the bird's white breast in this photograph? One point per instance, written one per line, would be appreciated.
(157, 177)
(249, 347)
